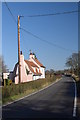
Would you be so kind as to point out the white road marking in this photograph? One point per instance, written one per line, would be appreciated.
(75, 101)
(31, 94)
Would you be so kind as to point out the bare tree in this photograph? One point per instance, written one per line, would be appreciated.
(69, 62)
(3, 67)
(72, 62)
(75, 60)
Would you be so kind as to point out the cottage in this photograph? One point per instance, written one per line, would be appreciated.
(31, 69)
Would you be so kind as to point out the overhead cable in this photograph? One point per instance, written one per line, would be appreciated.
(10, 12)
(59, 13)
(50, 43)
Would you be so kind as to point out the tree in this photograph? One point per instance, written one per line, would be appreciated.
(72, 62)
(47, 72)
(3, 67)
(75, 60)
(51, 72)
(69, 62)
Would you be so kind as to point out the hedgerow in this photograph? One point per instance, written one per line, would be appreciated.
(16, 89)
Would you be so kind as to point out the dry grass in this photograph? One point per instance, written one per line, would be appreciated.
(78, 94)
(14, 92)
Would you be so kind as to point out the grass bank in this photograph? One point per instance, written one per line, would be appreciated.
(0, 96)
(78, 97)
(78, 94)
(14, 92)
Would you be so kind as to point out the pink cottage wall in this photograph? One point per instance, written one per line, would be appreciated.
(24, 76)
(17, 77)
(23, 71)
(29, 77)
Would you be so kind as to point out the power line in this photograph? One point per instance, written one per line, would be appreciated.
(69, 12)
(10, 12)
(50, 43)
(43, 15)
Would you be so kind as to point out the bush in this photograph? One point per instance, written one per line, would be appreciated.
(7, 82)
(16, 89)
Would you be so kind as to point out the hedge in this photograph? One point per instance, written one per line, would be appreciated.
(16, 89)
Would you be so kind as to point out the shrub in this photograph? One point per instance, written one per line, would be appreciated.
(16, 89)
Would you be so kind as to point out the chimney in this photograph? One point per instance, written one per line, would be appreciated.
(21, 56)
(21, 52)
(31, 55)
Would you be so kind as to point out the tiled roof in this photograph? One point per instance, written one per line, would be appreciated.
(37, 61)
(39, 73)
(30, 65)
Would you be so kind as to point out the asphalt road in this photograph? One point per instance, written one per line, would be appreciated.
(57, 101)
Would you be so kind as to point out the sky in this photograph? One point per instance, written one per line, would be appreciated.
(61, 30)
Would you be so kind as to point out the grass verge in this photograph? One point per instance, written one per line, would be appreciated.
(78, 97)
(15, 92)
(78, 94)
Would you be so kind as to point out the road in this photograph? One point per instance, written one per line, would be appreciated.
(57, 101)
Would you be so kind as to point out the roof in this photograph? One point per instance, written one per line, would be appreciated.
(40, 64)
(30, 65)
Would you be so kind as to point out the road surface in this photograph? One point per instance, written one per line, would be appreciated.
(57, 101)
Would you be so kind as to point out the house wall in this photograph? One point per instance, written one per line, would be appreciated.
(41, 69)
(5, 75)
(43, 72)
(16, 79)
(23, 69)
(27, 77)
(36, 77)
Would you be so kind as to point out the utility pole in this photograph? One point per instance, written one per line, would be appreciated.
(19, 49)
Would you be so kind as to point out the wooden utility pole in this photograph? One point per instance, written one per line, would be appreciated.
(19, 49)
